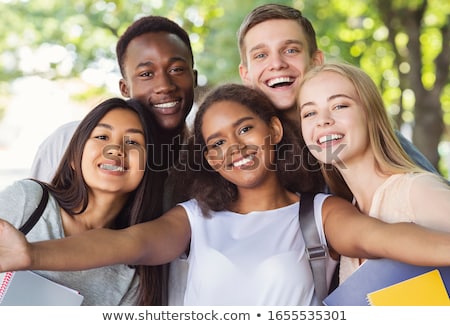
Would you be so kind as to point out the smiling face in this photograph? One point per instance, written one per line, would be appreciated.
(333, 121)
(114, 155)
(159, 74)
(240, 145)
(277, 57)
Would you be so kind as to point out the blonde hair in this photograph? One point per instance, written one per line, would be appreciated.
(390, 158)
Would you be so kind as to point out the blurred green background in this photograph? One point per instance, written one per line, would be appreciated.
(404, 45)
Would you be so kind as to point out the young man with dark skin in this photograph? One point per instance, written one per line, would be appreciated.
(157, 66)
(277, 45)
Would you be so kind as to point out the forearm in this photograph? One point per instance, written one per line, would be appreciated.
(90, 249)
(353, 234)
(150, 243)
(410, 243)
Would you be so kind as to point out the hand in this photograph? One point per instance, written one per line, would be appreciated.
(14, 248)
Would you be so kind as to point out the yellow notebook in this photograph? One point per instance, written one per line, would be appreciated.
(427, 289)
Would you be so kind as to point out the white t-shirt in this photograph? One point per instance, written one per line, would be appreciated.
(250, 259)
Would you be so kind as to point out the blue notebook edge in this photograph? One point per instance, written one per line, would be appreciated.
(376, 274)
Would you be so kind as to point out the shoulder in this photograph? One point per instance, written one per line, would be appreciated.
(191, 207)
(426, 177)
(415, 180)
(421, 182)
(68, 127)
(335, 206)
(60, 136)
(63, 132)
(51, 150)
(23, 188)
(19, 200)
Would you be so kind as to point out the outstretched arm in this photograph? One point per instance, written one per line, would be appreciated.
(354, 234)
(150, 243)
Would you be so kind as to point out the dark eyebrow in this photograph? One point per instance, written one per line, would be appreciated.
(104, 125)
(235, 124)
(332, 97)
(135, 131)
(171, 61)
(130, 130)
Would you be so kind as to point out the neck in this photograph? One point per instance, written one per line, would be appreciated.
(168, 146)
(165, 136)
(262, 198)
(363, 180)
(101, 212)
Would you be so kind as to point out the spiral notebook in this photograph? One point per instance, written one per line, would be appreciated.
(377, 274)
(26, 288)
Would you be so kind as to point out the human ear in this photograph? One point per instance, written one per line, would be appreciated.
(243, 72)
(277, 129)
(124, 88)
(318, 58)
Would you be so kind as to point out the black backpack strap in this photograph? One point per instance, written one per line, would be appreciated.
(32, 220)
(316, 251)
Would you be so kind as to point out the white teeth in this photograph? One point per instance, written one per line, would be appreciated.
(244, 161)
(111, 167)
(331, 137)
(279, 80)
(166, 105)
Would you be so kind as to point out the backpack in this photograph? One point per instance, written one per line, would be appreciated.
(315, 250)
(34, 217)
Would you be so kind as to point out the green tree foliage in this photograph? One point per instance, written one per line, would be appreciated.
(403, 44)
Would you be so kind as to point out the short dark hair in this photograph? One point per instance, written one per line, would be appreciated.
(149, 24)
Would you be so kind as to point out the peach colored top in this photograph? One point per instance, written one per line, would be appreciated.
(421, 198)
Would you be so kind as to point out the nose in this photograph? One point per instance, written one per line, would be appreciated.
(114, 150)
(325, 119)
(163, 83)
(237, 147)
(277, 62)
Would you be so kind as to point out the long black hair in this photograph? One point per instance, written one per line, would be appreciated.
(143, 204)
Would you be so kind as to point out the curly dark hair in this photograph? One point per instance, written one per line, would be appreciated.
(297, 170)
(149, 24)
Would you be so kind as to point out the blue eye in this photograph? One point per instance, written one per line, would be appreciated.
(308, 114)
(260, 56)
(292, 51)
